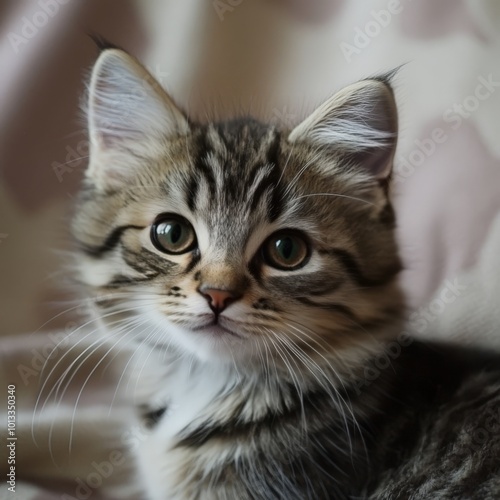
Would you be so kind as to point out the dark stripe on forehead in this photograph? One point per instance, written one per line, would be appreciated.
(273, 153)
(277, 194)
(254, 172)
(192, 191)
(201, 163)
(352, 268)
(110, 242)
(271, 184)
(264, 185)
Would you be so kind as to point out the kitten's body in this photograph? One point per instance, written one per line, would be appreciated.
(279, 312)
(435, 436)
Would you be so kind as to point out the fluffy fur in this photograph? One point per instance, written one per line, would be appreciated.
(277, 398)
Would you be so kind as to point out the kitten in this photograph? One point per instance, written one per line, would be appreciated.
(261, 265)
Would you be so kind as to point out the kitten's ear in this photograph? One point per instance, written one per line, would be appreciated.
(129, 118)
(360, 121)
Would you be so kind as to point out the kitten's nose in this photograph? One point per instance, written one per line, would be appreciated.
(218, 299)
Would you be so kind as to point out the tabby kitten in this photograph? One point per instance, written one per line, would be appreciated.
(261, 265)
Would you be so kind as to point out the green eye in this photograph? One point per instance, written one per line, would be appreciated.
(286, 250)
(173, 234)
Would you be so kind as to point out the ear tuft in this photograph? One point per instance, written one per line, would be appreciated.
(101, 42)
(359, 122)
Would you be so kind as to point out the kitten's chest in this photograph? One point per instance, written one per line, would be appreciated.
(170, 470)
(186, 395)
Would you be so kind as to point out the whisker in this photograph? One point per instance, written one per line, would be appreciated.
(124, 371)
(336, 195)
(83, 387)
(293, 375)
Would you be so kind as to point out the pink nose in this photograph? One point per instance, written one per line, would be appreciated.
(217, 299)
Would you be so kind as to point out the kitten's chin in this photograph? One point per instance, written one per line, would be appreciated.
(216, 332)
(210, 343)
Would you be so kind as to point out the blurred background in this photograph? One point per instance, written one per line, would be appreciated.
(276, 60)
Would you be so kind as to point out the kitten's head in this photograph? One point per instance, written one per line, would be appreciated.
(239, 240)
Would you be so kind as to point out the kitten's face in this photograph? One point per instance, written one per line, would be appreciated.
(236, 241)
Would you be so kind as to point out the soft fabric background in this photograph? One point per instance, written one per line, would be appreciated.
(273, 59)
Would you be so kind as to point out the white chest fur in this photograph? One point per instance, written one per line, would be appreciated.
(167, 471)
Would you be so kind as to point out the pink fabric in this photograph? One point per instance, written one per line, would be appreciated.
(457, 195)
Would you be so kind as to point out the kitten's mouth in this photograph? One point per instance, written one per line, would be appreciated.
(215, 328)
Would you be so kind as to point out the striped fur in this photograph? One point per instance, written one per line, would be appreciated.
(273, 402)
